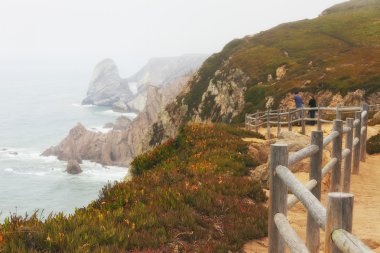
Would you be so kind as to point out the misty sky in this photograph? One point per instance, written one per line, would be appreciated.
(49, 35)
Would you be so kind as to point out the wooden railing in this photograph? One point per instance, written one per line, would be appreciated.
(288, 117)
(336, 219)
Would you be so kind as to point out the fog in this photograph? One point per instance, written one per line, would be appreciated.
(73, 35)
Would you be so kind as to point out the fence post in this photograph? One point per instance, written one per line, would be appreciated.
(312, 230)
(303, 120)
(268, 126)
(278, 124)
(339, 216)
(278, 196)
(289, 121)
(319, 123)
(338, 113)
(356, 159)
(257, 121)
(364, 136)
(337, 153)
(348, 158)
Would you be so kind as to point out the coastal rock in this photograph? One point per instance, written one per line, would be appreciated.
(122, 123)
(106, 86)
(73, 167)
(79, 144)
(119, 106)
(127, 139)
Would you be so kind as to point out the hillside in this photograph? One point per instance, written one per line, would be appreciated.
(191, 194)
(335, 56)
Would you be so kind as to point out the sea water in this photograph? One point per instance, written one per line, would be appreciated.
(37, 110)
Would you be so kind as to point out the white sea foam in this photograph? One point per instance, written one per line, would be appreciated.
(99, 129)
(80, 105)
(129, 115)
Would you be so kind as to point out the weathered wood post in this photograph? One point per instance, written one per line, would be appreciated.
(303, 131)
(338, 112)
(364, 134)
(319, 123)
(278, 124)
(289, 120)
(312, 230)
(278, 196)
(348, 158)
(356, 152)
(339, 216)
(257, 121)
(268, 125)
(247, 126)
(337, 153)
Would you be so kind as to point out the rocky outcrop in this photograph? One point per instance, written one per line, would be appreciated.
(106, 86)
(295, 142)
(73, 167)
(80, 144)
(326, 98)
(127, 138)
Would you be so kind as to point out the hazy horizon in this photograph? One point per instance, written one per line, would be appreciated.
(45, 36)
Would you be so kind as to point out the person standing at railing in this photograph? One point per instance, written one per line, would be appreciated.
(299, 104)
(312, 104)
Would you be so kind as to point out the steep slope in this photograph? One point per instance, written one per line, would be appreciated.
(335, 56)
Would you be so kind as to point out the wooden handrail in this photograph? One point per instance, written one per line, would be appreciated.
(331, 219)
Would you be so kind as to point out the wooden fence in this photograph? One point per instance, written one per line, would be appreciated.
(336, 219)
(291, 116)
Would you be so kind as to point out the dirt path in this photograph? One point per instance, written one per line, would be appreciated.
(366, 224)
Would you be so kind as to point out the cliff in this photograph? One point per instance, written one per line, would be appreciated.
(107, 88)
(319, 57)
(126, 140)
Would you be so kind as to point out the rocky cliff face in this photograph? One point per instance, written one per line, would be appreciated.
(106, 86)
(126, 140)
(317, 57)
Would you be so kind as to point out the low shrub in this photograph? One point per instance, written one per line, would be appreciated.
(191, 194)
(373, 144)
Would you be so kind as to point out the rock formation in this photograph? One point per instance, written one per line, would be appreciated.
(106, 87)
(73, 167)
(126, 140)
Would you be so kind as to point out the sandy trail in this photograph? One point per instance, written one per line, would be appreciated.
(366, 220)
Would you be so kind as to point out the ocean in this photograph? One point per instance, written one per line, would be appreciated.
(37, 110)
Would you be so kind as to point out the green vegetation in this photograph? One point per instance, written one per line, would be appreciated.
(338, 51)
(373, 144)
(191, 194)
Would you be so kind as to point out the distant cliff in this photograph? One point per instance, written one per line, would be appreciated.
(107, 88)
(122, 144)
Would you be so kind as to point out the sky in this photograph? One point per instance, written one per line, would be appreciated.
(73, 35)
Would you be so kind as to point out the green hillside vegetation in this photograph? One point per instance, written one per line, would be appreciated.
(191, 194)
(373, 144)
(338, 51)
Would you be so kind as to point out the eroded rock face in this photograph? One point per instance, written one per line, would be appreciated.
(106, 86)
(327, 98)
(125, 141)
(73, 167)
(280, 72)
(224, 97)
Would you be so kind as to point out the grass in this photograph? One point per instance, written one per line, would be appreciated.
(325, 42)
(373, 145)
(190, 194)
